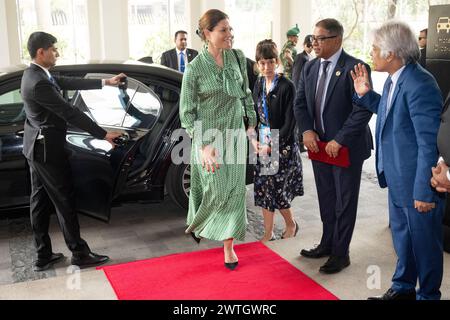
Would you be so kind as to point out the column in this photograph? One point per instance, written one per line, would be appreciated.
(9, 35)
(108, 29)
(95, 32)
(43, 15)
(287, 13)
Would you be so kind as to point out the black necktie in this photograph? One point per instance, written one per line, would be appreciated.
(320, 97)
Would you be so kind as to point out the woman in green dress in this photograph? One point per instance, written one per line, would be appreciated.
(213, 97)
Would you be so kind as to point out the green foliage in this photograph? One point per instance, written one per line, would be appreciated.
(359, 17)
(157, 43)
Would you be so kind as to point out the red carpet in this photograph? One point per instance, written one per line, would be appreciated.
(261, 275)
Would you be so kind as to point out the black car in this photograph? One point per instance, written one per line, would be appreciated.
(140, 168)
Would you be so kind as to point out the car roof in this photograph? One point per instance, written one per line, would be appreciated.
(102, 67)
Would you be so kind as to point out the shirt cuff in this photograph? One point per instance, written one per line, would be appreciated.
(441, 159)
(103, 83)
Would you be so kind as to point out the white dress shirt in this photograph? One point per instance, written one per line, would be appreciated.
(394, 79)
(448, 171)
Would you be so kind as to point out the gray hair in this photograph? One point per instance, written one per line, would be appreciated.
(398, 38)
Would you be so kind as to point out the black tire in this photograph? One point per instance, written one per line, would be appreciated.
(178, 184)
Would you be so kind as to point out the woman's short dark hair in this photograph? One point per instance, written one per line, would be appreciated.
(332, 26)
(266, 49)
(39, 40)
(209, 21)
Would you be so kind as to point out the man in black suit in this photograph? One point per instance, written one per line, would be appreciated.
(47, 115)
(180, 56)
(301, 59)
(441, 174)
(423, 47)
(324, 111)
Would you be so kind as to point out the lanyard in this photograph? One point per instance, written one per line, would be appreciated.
(264, 96)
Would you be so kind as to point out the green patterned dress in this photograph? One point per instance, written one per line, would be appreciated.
(211, 111)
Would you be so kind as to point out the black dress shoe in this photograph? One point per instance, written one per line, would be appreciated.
(316, 253)
(89, 260)
(45, 264)
(231, 266)
(196, 239)
(335, 264)
(392, 295)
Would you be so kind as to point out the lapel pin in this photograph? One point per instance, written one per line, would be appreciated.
(338, 74)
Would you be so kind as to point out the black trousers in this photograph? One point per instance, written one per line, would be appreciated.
(338, 192)
(52, 190)
(447, 225)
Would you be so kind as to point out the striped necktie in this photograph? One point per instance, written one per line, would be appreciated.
(320, 98)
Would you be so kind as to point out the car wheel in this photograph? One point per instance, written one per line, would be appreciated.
(178, 184)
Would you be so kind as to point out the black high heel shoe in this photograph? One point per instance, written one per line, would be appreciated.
(232, 265)
(196, 239)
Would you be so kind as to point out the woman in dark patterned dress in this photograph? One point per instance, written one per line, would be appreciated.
(278, 173)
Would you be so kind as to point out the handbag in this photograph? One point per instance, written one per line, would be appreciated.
(245, 117)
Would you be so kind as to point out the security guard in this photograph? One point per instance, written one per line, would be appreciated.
(289, 52)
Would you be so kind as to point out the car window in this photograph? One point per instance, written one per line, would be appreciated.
(11, 108)
(137, 106)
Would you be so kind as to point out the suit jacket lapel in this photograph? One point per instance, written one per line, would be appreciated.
(189, 55)
(312, 81)
(174, 58)
(398, 88)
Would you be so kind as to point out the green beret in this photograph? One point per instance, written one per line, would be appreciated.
(294, 31)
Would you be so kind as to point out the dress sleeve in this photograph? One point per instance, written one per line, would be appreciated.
(189, 100)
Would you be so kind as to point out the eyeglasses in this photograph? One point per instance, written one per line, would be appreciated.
(421, 38)
(321, 39)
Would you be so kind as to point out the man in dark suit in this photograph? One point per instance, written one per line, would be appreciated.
(423, 47)
(325, 112)
(180, 56)
(441, 174)
(47, 115)
(408, 117)
(301, 59)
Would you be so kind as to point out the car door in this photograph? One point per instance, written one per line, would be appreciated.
(100, 171)
(14, 176)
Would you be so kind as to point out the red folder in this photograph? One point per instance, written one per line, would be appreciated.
(343, 159)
